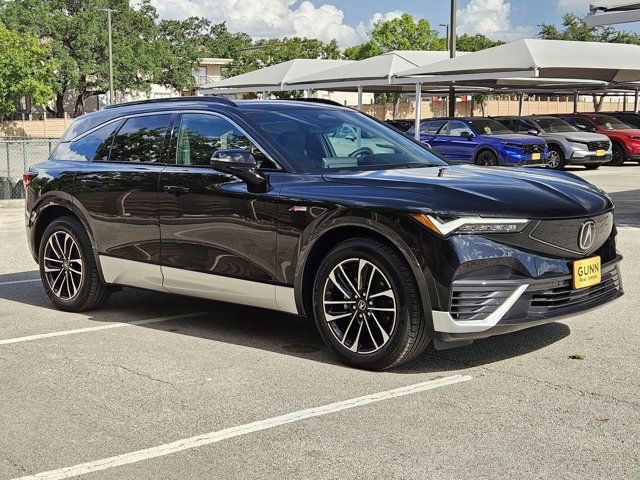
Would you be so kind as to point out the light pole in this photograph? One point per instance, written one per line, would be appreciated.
(111, 91)
(447, 37)
(452, 54)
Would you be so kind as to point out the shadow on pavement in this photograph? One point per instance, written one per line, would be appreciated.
(627, 211)
(272, 331)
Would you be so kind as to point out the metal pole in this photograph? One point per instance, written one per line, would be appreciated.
(452, 53)
(418, 110)
(575, 102)
(635, 102)
(308, 93)
(111, 90)
(360, 90)
(520, 104)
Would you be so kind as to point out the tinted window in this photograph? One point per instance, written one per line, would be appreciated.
(307, 136)
(486, 126)
(611, 123)
(92, 147)
(581, 123)
(202, 135)
(510, 123)
(457, 128)
(432, 127)
(555, 125)
(141, 139)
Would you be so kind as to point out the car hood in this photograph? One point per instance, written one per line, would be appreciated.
(580, 136)
(492, 192)
(515, 138)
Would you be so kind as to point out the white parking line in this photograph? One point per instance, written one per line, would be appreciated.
(13, 282)
(220, 435)
(63, 333)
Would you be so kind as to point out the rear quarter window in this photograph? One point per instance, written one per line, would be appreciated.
(93, 146)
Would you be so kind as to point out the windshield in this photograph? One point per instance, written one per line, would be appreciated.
(555, 125)
(486, 126)
(611, 123)
(331, 139)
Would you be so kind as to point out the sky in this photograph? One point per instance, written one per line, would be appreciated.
(349, 20)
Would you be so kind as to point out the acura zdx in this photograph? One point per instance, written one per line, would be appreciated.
(316, 210)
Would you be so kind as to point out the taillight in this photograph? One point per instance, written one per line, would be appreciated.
(27, 177)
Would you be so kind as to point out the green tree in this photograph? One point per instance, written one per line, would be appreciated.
(25, 70)
(474, 43)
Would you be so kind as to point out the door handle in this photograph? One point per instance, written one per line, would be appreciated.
(176, 189)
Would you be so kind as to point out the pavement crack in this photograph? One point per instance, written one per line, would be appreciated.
(143, 375)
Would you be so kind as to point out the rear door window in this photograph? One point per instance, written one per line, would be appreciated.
(93, 146)
(141, 139)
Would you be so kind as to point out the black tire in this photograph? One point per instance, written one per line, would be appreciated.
(84, 291)
(619, 155)
(406, 338)
(556, 160)
(486, 158)
(592, 166)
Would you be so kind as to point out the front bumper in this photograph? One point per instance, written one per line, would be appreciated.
(482, 308)
(585, 156)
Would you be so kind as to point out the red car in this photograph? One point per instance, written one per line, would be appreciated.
(625, 138)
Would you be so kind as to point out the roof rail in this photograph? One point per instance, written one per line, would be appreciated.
(212, 99)
(314, 100)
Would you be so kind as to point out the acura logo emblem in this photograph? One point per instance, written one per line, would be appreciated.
(587, 235)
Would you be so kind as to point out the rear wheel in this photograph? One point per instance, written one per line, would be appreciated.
(556, 158)
(486, 158)
(367, 305)
(68, 268)
(619, 156)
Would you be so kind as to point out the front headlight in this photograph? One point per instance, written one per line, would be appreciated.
(573, 140)
(471, 224)
(512, 145)
(633, 137)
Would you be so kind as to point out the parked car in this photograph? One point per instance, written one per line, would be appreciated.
(402, 125)
(387, 247)
(482, 141)
(567, 144)
(630, 118)
(624, 138)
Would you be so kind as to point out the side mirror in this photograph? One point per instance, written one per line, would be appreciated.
(350, 138)
(242, 164)
(467, 135)
(533, 131)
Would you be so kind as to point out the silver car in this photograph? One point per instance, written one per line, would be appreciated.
(567, 144)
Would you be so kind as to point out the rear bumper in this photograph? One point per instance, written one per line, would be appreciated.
(507, 306)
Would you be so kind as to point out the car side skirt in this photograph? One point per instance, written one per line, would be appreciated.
(196, 284)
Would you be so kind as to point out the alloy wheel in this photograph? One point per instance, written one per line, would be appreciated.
(486, 159)
(359, 305)
(63, 265)
(554, 159)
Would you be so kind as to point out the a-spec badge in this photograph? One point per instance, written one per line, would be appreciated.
(296, 208)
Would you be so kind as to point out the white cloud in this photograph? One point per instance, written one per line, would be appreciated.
(573, 6)
(273, 18)
(491, 18)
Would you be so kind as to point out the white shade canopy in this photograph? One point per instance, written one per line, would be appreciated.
(615, 5)
(373, 74)
(273, 77)
(545, 60)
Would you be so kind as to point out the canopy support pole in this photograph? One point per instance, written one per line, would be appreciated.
(452, 101)
(575, 101)
(418, 110)
(308, 93)
(635, 102)
(520, 104)
(264, 95)
(360, 90)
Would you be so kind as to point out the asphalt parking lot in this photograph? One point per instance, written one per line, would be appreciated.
(157, 386)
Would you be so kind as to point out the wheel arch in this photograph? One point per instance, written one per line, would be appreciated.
(322, 243)
(483, 148)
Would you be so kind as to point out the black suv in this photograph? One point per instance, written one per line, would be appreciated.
(315, 210)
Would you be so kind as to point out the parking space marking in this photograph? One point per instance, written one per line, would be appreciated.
(237, 431)
(13, 282)
(63, 333)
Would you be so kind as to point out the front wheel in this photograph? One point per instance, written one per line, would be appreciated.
(367, 305)
(556, 159)
(487, 158)
(619, 156)
(68, 267)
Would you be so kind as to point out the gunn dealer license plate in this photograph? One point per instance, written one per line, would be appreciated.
(535, 156)
(586, 272)
(600, 153)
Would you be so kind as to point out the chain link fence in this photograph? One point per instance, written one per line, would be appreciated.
(17, 154)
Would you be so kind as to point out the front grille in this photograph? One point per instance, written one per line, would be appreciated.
(563, 234)
(477, 301)
(563, 296)
(535, 148)
(603, 145)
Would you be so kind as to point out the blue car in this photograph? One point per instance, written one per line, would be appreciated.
(482, 141)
